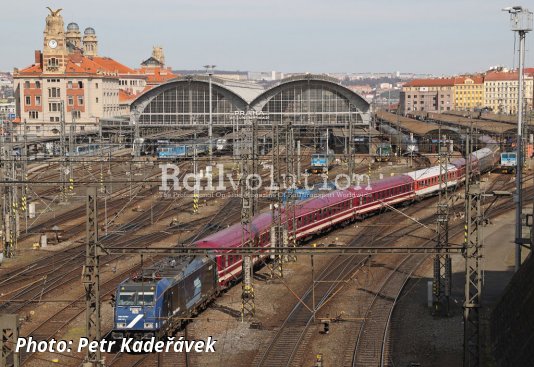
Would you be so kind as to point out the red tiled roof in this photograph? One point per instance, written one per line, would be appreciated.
(436, 82)
(500, 75)
(125, 96)
(157, 75)
(112, 66)
(80, 64)
(33, 69)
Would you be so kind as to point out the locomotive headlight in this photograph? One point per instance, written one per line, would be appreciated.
(121, 324)
(148, 325)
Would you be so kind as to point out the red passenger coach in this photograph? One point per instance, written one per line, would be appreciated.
(229, 266)
(392, 190)
(312, 217)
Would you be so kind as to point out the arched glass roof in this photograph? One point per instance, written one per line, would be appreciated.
(302, 100)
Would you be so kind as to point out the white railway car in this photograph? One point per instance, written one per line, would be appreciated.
(427, 180)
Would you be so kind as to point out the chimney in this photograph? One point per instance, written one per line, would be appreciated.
(38, 57)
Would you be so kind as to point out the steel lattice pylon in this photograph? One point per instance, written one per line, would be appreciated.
(9, 325)
(441, 285)
(290, 234)
(278, 233)
(91, 278)
(473, 254)
(247, 182)
(10, 219)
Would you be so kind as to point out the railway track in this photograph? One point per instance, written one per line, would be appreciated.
(373, 343)
(284, 348)
(215, 224)
(57, 323)
(285, 344)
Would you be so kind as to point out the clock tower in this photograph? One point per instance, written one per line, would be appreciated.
(55, 51)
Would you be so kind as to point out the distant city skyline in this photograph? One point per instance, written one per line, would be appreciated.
(338, 36)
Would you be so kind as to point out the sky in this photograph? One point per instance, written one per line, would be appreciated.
(317, 36)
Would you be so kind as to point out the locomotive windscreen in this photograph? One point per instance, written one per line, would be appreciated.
(134, 296)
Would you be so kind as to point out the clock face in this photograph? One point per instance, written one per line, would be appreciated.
(52, 43)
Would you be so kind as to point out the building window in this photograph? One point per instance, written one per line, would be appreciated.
(28, 100)
(34, 115)
(75, 114)
(38, 84)
(26, 84)
(54, 107)
(96, 99)
(54, 119)
(37, 128)
(53, 62)
(70, 100)
(82, 128)
(80, 101)
(80, 84)
(96, 85)
(69, 84)
(37, 100)
(54, 93)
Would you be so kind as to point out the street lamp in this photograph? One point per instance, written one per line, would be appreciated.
(209, 71)
(520, 22)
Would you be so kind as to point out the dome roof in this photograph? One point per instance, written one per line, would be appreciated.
(89, 30)
(73, 27)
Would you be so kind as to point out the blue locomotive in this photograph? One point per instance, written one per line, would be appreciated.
(508, 162)
(320, 162)
(159, 300)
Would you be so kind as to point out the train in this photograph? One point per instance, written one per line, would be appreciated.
(222, 144)
(508, 162)
(384, 152)
(182, 150)
(406, 144)
(161, 299)
(86, 150)
(321, 162)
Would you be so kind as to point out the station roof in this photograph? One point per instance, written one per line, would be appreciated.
(246, 90)
(483, 116)
(416, 127)
(344, 132)
(492, 127)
